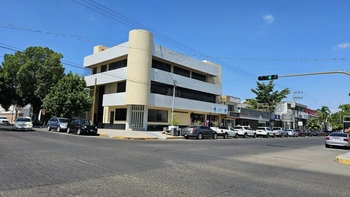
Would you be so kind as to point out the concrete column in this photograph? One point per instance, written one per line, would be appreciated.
(139, 67)
(128, 117)
(145, 117)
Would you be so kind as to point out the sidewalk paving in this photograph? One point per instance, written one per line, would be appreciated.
(135, 135)
(343, 159)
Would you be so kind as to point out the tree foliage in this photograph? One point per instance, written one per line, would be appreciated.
(69, 97)
(313, 124)
(29, 75)
(266, 96)
(322, 115)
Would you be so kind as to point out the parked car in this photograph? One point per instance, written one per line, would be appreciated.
(264, 132)
(245, 131)
(199, 132)
(4, 120)
(280, 131)
(226, 132)
(81, 126)
(292, 133)
(301, 133)
(337, 139)
(58, 124)
(23, 123)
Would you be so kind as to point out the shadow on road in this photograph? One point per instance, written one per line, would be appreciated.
(9, 128)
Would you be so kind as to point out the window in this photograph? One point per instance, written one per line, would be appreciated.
(181, 71)
(161, 65)
(164, 89)
(94, 70)
(157, 115)
(103, 68)
(118, 64)
(120, 114)
(121, 86)
(199, 77)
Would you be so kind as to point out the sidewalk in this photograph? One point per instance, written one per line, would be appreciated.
(343, 159)
(135, 135)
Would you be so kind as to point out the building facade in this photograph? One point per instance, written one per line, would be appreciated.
(133, 86)
(13, 112)
(292, 115)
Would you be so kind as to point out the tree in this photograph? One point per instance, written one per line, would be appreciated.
(323, 114)
(345, 109)
(267, 96)
(313, 124)
(69, 97)
(29, 76)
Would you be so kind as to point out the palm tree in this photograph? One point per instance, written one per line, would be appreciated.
(323, 114)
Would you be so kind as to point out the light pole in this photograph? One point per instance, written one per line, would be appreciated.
(172, 107)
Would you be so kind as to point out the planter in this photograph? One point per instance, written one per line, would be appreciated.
(176, 127)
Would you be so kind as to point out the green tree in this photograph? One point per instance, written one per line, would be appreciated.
(266, 96)
(345, 109)
(69, 97)
(323, 114)
(29, 76)
(313, 124)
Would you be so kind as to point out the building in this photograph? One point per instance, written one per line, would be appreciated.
(133, 85)
(285, 111)
(13, 112)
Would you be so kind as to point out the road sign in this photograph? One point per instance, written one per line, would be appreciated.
(267, 77)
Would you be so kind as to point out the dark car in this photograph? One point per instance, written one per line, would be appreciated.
(301, 133)
(199, 132)
(81, 126)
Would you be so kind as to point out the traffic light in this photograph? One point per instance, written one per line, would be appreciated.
(267, 77)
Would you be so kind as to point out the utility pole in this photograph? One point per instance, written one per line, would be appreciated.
(293, 105)
(172, 107)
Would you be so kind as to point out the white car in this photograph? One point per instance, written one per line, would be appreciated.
(4, 120)
(245, 131)
(225, 132)
(264, 132)
(23, 123)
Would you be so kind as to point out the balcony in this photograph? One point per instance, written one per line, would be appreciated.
(115, 99)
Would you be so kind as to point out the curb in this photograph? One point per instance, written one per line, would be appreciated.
(343, 159)
(174, 137)
(103, 135)
(134, 138)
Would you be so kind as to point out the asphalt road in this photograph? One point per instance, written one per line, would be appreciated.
(42, 163)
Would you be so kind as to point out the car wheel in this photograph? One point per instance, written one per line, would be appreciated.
(254, 136)
(326, 145)
(245, 135)
(215, 136)
(49, 128)
(79, 132)
(225, 135)
(200, 136)
(273, 135)
(186, 137)
(236, 136)
(58, 129)
(68, 130)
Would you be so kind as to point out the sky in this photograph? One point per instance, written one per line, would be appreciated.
(248, 38)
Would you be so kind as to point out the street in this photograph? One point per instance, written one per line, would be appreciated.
(41, 163)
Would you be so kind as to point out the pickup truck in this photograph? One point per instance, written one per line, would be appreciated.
(226, 132)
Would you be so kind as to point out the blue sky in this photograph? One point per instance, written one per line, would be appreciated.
(287, 33)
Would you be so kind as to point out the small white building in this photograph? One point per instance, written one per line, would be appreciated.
(133, 84)
(11, 112)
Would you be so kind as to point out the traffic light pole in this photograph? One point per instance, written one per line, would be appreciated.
(315, 73)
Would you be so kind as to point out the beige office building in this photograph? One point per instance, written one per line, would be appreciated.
(134, 84)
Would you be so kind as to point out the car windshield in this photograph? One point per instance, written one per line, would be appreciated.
(192, 126)
(85, 122)
(23, 120)
(338, 135)
(238, 127)
(65, 120)
(248, 128)
(276, 129)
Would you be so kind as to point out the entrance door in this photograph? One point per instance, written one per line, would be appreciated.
(111, 118)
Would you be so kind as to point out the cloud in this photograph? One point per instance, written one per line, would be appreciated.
(268, 18)
(334, 110)
(342, 45)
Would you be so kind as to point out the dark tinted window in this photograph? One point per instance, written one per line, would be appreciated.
(157, 115)
(63, 120)
(161, 65)
(120, 114)
(338, 134)
(84, 122)
(164, 89)
(181, 71)
(94, 70)
(24, 119)
(103, 68)
(121, 86)
(118, 64)
(199, 77)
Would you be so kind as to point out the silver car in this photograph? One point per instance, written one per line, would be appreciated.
(199, 132)
(337, 139)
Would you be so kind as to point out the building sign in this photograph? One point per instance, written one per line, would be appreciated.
(300, 123)
(234, 114)
(235, 100)
(219, 110)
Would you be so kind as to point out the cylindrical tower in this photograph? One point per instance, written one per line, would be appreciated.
(139, 67)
